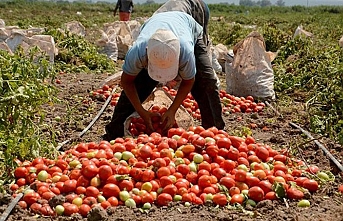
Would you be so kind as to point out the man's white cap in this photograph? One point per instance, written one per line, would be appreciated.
(163, 56)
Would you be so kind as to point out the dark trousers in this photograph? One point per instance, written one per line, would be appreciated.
(205, 89)
(205, 92)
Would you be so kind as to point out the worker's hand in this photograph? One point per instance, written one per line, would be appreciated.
(171, 84)
(147, 117)
(168, 120)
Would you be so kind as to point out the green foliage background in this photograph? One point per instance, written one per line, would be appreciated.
(309, 67)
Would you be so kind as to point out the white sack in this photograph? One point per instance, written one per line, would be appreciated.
(76, 28)
(301, 32)
(4, 46)
(252, 72)
(108, 45)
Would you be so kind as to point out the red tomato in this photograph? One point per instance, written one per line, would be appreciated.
(90, 200)
(311, 185)
(233, 154)
(293, 193)
(35, 207)
(224, 142)
(62, 164)
(148, 175)
(252, 181)
(265, 185)
(240, 175)
(171, 189)
(236, 141)
(110, 190)
(237, 198)
(84, 209)
(163, 171)
(183, 169)
(105, 172)
(92, 191)
(219, 173)
(256, 193)
(164, 199)
(69, 186)
(22, 204)
(145, 151)
(234, 190)
(212, 150)
(187, 197)
(113, 201)
(126, 184)
(262, 153)
(20, 172)
(227, 182)
(340, 188)
(31, 198)
(300, 181)
(204, 181)
(90, 171)
(220, 199)
(70, 209)
(270, 196)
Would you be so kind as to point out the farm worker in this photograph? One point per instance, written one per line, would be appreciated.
(199, 10)
(166, 47)
(125, 8)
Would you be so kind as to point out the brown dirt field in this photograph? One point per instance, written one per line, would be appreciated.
(272, 128)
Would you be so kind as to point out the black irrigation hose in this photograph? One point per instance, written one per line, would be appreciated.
(14, 202)
(326, 151)
(319, 145)
(92, 122)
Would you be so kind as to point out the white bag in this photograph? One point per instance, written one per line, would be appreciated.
(251, 72)
(108, 45)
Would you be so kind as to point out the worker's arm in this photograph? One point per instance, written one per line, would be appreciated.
(168, 118)
(128, 84)
(116, 8)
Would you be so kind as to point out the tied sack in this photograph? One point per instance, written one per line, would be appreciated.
(251, 72)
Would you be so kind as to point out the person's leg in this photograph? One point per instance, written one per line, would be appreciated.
(144, 85)
(205, 90)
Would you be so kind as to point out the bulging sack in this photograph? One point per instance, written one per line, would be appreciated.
(162, 99)
(251, 71)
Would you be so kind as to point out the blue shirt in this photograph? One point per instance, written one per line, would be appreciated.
(183, 26)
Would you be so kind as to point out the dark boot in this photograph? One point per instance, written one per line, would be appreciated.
(144, 85)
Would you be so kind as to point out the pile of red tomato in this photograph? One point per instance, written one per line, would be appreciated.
(230, 103)
(194, 166)
(137, 125)
(103, 93)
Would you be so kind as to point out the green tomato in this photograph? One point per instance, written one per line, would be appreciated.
(304, 203)
(59, 210)
(323, 176)
(127, 155)
(118, 155)
(101, 198)
(198, 158)
(42, 176)
(124, 195)
(130, 203)
(251, 202)
(193, 167)
(146, 206)
(177, 198)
